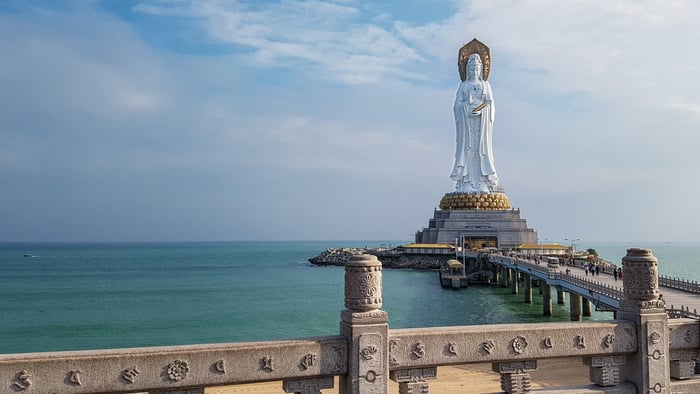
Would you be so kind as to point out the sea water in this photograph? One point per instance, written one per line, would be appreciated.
(94, 296)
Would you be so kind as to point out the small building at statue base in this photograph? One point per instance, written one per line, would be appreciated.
(480, 220)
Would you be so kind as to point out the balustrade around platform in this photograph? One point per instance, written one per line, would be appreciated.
(640, 352)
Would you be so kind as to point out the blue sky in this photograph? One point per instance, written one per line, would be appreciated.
(305, 120)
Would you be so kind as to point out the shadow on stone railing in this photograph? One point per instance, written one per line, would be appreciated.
(639, 352)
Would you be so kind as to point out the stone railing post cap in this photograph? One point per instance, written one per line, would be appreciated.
(361, 260)
(639, 252)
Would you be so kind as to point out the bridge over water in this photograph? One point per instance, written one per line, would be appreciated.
(604, 291)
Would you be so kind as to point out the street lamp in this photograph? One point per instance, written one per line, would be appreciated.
(542, 247)
(573, 247)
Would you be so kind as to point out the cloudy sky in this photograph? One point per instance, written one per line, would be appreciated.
(201, 120)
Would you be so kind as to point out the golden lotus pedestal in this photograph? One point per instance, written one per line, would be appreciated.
(481, 201)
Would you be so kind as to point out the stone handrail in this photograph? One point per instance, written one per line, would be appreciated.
(427, 347)
(640, 352)
(174, 367)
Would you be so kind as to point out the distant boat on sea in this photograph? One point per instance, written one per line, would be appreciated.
(28, 255)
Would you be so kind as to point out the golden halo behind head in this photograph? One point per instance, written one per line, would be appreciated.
(478, 47)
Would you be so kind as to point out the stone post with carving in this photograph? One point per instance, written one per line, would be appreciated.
(648, 368)
(366, 328)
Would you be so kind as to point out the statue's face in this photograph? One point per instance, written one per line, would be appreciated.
(473, 68)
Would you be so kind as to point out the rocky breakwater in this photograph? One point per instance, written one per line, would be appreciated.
(390, 258)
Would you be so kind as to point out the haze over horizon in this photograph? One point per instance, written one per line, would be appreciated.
(199, 120)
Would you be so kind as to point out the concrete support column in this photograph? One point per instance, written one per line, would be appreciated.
(413, 381)
(514, 281)
(307, 386)
(605, 370)
(528, 288)
(587, 307)
(366, 328)
(575, 306)
(515, 376)
(508, 277)
(561, 296)
(546, 298)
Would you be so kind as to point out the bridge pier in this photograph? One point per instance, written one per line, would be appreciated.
(505, 277)
(528, 288)
(587, 307)
(514, 281)
(561, 296)
(546, 298)
(575, 307)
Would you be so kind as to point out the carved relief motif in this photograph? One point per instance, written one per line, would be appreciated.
(363, 283)
(488, 346)
(369, 352)
(74, 377)
(655, 337)
(689, 334)
(22, 381)
(608, 340)
(219, 366)
(451, 348)
(371, 376)
(129, 374)
(579, 342)
(519, 344)
(656, 388)
(641, 276)
(392, 344)
(418, 350)
(266, 364)
(547, 343)
(177, 370)
(308, 361)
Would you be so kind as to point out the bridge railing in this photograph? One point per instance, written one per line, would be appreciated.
(593, 285)
(680, 284)
(641, 349)
(175, 367)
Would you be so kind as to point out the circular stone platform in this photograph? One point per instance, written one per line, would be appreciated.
(487, 201)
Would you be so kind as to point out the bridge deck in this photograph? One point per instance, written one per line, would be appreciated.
(673, 297)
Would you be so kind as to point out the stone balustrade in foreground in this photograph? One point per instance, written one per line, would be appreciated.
(640, 352)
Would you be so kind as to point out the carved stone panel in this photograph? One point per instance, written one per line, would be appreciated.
(371, 369)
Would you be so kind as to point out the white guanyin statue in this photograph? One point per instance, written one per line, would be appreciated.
(474, 114)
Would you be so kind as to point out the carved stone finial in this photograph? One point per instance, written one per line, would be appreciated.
(640, 275)
(363, 283)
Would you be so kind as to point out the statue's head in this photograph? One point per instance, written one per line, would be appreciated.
(474, 66)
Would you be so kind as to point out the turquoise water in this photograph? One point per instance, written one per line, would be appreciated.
(96, 296)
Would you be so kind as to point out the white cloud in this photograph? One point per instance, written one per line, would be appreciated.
(326, 37)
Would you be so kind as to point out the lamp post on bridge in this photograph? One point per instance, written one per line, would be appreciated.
(573, 247)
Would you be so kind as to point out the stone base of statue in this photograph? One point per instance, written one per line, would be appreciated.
(487, 201)
(482, 219)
